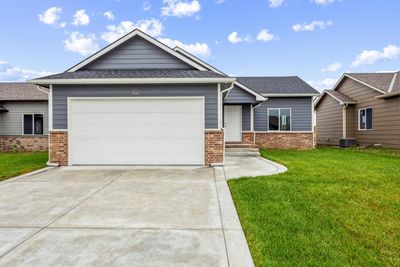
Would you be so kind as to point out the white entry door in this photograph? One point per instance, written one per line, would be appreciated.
(233, 123)
(139, 131)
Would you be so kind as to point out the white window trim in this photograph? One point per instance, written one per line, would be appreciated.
(359, 111)
(279, 122)
(33, 123)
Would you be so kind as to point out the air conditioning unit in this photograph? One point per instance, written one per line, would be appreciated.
(347, 142)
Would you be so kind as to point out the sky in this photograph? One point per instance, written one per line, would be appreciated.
(317, 40)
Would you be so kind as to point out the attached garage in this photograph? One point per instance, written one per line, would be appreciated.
(136, 130)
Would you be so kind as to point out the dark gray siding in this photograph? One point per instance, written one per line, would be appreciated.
(62, 92)
(137, 53)
(11, 121)
(239, 96)
(301, 112)
(246, 117)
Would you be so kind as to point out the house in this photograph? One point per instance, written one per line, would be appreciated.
(362, 108)
(137, 101)
(23, 117)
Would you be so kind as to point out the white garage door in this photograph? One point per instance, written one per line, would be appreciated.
(140, 131)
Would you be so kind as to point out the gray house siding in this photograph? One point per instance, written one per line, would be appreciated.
(239, 96)
(301, 112)
(62, 92)
(137, 53)
(246, 117)
(11, 121)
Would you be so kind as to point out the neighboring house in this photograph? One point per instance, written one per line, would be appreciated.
(23, 117)
(362, 108)
(137, 101)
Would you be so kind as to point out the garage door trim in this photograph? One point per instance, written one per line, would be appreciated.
(70, 99)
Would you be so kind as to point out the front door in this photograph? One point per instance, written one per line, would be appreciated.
(233, 123)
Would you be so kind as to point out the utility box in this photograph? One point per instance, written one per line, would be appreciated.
(347, 142)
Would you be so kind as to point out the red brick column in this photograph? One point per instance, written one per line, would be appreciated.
(58, 151)
(214, 142)
(284, 140)
(248, 138)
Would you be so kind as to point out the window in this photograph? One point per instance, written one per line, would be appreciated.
(365, 119)
(33, 124)
(279, 119)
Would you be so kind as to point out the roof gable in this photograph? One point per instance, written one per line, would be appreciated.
(136, 50)
(341, 98)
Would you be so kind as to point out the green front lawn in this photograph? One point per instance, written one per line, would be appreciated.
(14, 164)
(333, 207)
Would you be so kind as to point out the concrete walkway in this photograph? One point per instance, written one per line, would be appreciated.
(236, 167)
(121, 216)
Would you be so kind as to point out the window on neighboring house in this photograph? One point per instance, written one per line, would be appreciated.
(365, 119)
(33, 124)
(279, 119)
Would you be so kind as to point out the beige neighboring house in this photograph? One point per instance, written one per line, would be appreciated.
(362, 108)
(23, 117)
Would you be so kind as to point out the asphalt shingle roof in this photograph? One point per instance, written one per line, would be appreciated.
(134, 73)
(277, 85)
(381, 81)
(341, 97)
(20, 91)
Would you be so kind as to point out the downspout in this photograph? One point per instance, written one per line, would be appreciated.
(344, 119)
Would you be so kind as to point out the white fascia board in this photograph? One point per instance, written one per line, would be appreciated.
(335, 87)
(197, 60)
(290, 95)
(247, 89)
(134, 81)
(126, 38)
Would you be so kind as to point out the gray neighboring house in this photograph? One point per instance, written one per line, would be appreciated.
(137, 101)
(23, 117)
(362, 108)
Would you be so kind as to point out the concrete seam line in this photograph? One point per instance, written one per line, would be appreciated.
(62, 215)
(220, 215)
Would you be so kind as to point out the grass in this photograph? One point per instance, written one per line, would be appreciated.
(333, 207)
(13, 164)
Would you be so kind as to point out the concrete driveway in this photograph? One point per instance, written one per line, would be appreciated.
(121, 216)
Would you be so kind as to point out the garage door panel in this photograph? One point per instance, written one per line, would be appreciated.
(138, 120)
(126, 105)
(130, 131)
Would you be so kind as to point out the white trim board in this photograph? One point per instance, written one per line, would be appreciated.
(134, 81)
(125, 38)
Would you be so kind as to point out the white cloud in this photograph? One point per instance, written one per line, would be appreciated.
(79, 43)
(332, 67)
(50, 16)
(265, 36)
(368, 57)
(234, 38)
(146, 6)
(11, 73)
(153, 27)
(198, 49)
(311, 26)
(327, 83)
(81, 18)
(178, 8)
(323, 2)
(109, 15)
(219, 1)
(275, 3)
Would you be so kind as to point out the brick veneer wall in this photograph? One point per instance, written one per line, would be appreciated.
(28, 143)
(248, 138)
(285, 140)
(214, 142)
(58, 151)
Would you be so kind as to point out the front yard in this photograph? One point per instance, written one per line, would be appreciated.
(333, 207)
(13, 164)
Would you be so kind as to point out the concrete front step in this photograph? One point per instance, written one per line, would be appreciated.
(242, 152)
